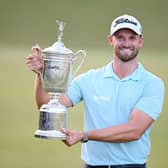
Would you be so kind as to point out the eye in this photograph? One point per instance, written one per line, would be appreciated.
(132, 37)
(120, 37)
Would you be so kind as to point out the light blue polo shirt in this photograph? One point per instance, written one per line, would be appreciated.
(109, 101)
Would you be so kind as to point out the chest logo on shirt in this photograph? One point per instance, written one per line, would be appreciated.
(101, 98)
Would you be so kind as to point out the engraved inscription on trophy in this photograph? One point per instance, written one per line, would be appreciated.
(52, 121)
(55, 76)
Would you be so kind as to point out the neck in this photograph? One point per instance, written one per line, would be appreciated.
(123, 69)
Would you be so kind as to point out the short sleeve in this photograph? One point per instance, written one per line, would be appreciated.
(151, 101)
(74, 91)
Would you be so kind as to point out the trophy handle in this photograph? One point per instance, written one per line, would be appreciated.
(82, 61)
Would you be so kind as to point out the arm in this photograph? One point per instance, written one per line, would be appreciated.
(41, 96)
(133, 130)
(35, 63)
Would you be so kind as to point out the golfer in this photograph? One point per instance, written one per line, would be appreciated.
(121, 102)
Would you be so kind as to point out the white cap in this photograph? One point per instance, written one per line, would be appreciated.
(126, 21)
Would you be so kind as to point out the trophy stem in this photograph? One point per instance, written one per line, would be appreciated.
(54, 95)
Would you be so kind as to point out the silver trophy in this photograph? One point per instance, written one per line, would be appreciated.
(56, 77)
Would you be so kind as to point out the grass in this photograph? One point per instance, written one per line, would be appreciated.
(19, 115)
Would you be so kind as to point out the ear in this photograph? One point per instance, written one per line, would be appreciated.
(110, 40)
(141, 41)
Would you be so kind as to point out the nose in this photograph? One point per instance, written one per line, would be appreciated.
(126, 43)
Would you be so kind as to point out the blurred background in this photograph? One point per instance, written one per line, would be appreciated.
(24, 23)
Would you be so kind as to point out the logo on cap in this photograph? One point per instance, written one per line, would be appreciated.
(124, 20)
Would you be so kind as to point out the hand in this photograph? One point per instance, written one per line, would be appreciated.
(35, 61)
(73, 136)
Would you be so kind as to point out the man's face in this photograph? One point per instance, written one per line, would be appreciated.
(126, 44)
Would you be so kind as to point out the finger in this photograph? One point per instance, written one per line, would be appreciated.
(66, 143)
(29, 57)
(34, 66)
(65, 131)
(34, 59)
(36, 49)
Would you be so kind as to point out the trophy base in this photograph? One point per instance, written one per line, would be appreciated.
(50, 134)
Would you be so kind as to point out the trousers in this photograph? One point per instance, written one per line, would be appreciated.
(117, 166)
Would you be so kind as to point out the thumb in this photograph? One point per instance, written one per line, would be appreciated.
(64, 130)
(37, 50)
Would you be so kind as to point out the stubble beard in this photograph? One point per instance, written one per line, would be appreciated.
(127, 56)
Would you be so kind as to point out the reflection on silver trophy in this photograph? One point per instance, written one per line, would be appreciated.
(56, 77)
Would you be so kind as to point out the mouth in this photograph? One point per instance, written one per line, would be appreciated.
(126, 50)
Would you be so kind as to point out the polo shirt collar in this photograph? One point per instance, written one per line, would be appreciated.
(136, 75)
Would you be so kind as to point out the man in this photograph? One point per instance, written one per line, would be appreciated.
(121, 102)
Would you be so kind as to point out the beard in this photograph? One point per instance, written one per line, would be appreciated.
(126, 54)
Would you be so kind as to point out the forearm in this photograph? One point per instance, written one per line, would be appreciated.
(133, 130)
(116, 134)
(120, 133)
(41, 96)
